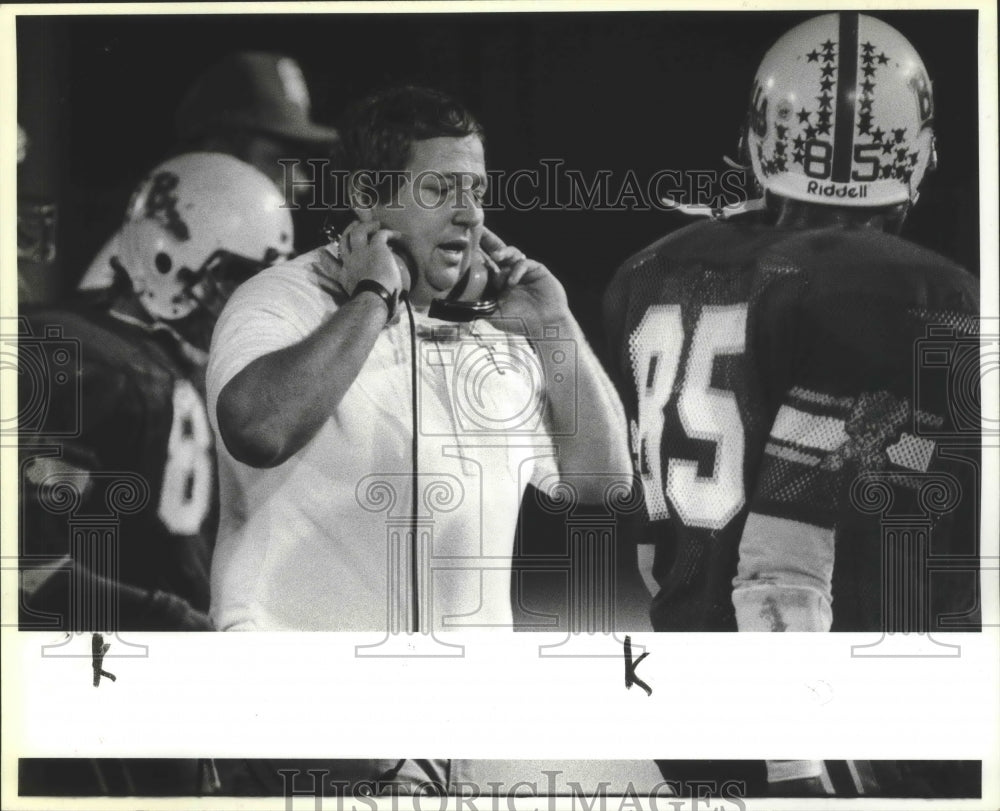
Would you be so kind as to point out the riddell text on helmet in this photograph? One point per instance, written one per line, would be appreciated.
(835, 190)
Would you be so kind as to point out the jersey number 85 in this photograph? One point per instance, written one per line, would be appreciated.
(706, 413)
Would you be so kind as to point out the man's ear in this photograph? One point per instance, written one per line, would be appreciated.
(361, 197)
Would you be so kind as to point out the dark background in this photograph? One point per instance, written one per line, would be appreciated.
(616, 91)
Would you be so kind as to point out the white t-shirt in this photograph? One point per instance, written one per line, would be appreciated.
(323, 541)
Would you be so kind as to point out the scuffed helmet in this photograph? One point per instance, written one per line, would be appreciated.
(198, 225)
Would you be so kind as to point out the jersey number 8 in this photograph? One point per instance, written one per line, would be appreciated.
(186, 493)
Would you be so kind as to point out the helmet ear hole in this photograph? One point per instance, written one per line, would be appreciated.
(188, 211)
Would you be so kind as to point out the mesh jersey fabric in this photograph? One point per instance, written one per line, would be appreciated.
(763, 371)
(113, 408)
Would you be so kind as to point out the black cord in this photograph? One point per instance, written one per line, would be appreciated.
(414, 546)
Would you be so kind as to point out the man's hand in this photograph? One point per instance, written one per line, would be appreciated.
(366, 254)
(529, 291)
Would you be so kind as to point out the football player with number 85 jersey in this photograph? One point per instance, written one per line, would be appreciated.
(767, 361)
(118, 470)
(767, 364)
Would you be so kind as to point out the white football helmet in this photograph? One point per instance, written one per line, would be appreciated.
(841, 114)
(197, 226)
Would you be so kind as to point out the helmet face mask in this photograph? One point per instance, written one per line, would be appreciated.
(197, 226)
(841, 114)
(211, 285)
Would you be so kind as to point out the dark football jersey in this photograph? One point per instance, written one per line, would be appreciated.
(775, 400)
(117, 465)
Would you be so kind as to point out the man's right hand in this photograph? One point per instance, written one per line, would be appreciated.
(365, 252)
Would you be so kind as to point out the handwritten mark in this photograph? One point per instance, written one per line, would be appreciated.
(630, 666)
(98, 648)
(822, 692)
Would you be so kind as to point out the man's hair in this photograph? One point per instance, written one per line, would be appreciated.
(377, 133)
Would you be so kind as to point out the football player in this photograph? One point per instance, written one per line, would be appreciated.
(118, 473)
(767, 362)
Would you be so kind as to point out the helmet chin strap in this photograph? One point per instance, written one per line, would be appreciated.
(715, 212)
(754, 203)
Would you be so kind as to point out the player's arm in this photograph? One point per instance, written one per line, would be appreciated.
(279, 401)
(49, 576)
(784, 581)
(45, 590)
(847, 411)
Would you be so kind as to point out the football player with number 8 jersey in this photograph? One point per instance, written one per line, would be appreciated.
(118, 470)
(767, 362)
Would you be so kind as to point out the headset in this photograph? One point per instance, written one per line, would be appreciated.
(473, 296)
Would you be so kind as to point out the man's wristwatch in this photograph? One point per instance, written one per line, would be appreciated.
(372, 286)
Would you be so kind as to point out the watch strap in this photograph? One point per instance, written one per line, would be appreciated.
(372, 286)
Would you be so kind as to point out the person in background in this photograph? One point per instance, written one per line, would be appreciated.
(112, 419)
(254, 106)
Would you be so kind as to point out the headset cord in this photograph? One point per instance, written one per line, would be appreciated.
(414, 545)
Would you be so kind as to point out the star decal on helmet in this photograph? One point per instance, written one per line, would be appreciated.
(832, 117)
(896, 167)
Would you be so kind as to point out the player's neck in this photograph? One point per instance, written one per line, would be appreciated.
(798, 214)
(128, 309)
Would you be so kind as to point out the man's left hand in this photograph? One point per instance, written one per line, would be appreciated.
(528, 290)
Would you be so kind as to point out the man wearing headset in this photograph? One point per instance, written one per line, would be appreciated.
(374, 451)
